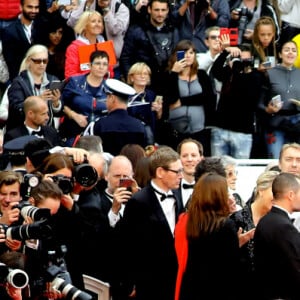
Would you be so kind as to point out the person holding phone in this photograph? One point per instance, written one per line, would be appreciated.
(281, 123)
(33, 80)
(190, 98)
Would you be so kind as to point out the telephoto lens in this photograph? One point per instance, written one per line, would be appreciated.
(85, 175)
(37, 230)
(16, 277)
(68, 290)
(35, 213)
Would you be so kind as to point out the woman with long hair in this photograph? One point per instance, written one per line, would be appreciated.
(212, 257)
(190, 99)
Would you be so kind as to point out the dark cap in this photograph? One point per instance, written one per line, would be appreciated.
(118, 88)
(17, 145)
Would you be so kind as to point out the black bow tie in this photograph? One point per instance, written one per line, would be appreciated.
(187, 186)
(39, 133)
(163, 196)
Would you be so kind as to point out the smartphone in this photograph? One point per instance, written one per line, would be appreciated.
(267, 64)
(127, 183)
(64, 2)
(56, 85)
(158, 99)
(276, 101)
(180, 54)
(224, 30)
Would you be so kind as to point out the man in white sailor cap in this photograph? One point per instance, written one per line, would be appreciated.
(118, 128)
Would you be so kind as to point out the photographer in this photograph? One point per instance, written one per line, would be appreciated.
(244, 14)
(241, 87)
(12, 274)
(72, 178)
(45, 195)
(10, 184)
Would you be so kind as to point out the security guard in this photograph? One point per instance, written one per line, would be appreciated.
(118, 128)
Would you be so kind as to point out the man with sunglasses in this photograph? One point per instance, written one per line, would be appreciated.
(213, 42)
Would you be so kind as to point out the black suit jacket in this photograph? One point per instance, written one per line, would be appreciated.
(152, 263)
(48, 132)
(277, 256)
(15, 43)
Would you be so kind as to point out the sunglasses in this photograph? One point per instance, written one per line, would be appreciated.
(38, 61)
(213, 37)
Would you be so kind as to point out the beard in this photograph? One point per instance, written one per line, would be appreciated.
(29, 16)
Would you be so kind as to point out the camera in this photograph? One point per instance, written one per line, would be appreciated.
(245, 15)
(68, 290)
(85, 174)
(16, 277)
(65, 183)
(29, 181)
(239, 64)
(59, 277)
(35, 213)
(37, 230)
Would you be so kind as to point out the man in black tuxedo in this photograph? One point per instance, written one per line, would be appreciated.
(36, 116)
(191, 153)
(148, 229)
(19, 36)
(277, 243)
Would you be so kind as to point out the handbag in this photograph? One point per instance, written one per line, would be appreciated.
(180, 120)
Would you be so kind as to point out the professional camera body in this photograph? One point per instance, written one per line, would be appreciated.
(245, 15)
(29, 181)
(16, 277)
(39, 229)
(240, 65)
(65, 183)
(59, 277)
(85, 174)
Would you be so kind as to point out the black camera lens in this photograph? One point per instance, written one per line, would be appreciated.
(86, 175)
(64, 183)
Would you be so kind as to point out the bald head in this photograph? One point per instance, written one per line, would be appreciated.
(34, 103)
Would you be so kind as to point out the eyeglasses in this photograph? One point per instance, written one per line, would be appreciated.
(98, 64)
(177, 172)
(231, 173)
(213, 37)
(38, 61)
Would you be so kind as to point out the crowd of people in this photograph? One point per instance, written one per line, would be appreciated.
(195, 95)
(121, 123)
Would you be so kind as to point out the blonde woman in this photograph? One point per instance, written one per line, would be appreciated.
(33, 80)
(145, 104)
(89, 29)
